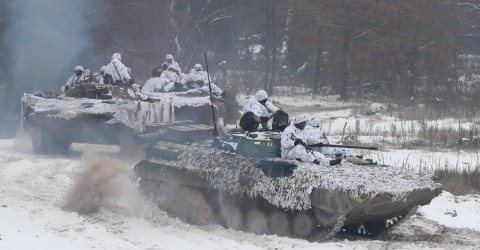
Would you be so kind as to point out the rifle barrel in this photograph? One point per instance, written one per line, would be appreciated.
(342, 146)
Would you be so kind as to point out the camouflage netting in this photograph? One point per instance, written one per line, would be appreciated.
(293, 192)
(134, 114)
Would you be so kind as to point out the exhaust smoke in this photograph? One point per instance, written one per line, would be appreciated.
(42, 42)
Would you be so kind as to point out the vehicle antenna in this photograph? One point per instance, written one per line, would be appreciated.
(215, 131)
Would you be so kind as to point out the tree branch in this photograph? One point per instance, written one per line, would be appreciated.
(370, 30)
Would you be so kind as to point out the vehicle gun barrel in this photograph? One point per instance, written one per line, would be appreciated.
(342, 146)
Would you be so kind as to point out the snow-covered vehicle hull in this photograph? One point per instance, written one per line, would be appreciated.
(100, 113)
(262, 193)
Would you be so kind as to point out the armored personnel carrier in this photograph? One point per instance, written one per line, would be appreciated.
(102, 113)
(239, 181)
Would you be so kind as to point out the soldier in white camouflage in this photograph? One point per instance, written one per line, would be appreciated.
(294, 144)
(99, 75)
(76, 78)
(198, 79)
(116, 72)
(256, 112)
(317, 136)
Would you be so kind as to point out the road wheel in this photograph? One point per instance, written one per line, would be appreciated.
(303, 225)
(256, 222)
(324, 219)
(232, 217)
(279, 223)
(200, 210)
(374, 228)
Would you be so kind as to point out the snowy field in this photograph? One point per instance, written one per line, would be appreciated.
(342, 118)
(36, 190)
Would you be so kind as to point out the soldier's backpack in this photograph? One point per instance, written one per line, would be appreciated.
(280, 121)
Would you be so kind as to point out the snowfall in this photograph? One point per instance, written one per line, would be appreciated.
(36, 194)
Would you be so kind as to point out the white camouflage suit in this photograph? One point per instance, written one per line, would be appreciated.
(197, 75)
(171, 63)
(168, 79)
(292, 152)
(164, 83)
(316, 135)
(98, 77)
(152, 85)
(117, 69)
(74, 79)
(259, 109)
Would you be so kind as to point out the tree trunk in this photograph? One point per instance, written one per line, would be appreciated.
(412, 67)
(316, 79)
(267, 44)
(273, 48)
(344, 76)
(173, 43)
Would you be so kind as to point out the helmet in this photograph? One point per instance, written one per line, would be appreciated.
(103, 68)
(87, 73)
(198, 67)
(261, 95)
(78, 67)
(299, 119)
(169, 57)
(117, 55)
(314, 122)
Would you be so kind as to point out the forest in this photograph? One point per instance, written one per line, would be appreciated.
(392, 51)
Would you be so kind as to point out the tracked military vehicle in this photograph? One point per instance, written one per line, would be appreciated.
(102, 113)
(238, 180)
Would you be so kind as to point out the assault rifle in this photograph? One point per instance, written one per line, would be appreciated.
(341, 146)
(266, 119)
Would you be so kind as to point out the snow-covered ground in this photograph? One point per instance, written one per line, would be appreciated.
(35, 192)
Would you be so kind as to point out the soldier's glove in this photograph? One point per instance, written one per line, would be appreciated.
(263, 119)
(335, 161)
(298, 141)
(131, 81)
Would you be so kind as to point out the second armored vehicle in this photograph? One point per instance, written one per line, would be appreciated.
(239, 181)
(102, 113)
